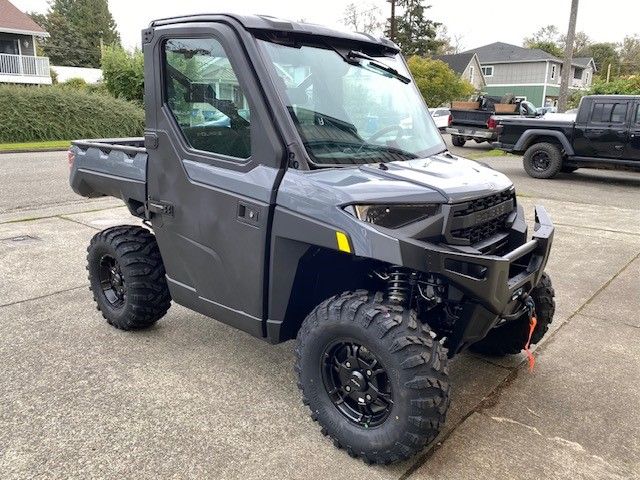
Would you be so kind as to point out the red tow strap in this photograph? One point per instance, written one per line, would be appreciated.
(532, 326)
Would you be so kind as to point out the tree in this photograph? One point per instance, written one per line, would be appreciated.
(630, 55)
(77, 28)
(450, 44)
(580, 43)
(548, 34)
(123, 73)
(415, 34)
(437, 83)
(365, 18)
(604, 54)
(549, 47)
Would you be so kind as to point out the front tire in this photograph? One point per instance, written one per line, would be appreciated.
(542, 160)
(458, 141)
(510, 338)
(372, 376)
(127, 277)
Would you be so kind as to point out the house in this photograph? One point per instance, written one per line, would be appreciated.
(19, 62)
(529, 73)
(467, 66)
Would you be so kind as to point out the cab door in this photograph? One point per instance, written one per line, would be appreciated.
(605, 134)
(632, 151)
(214, 162)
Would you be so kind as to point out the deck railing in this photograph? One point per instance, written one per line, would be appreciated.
(24, 65)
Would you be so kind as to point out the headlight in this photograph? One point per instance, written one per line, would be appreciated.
(392, 216)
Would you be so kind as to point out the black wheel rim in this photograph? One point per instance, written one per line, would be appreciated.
(357, 383)
(541, 161)
(112, 281)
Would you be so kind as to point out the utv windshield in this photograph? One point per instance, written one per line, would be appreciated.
(352, 107)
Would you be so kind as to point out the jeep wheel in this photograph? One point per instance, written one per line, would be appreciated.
(458, 141)
(373, 377)
(127, 277)
(510, 338)
(542, 160)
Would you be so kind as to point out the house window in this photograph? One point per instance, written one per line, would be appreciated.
(553, 71)
(10, 46)
(471, 74)
(487, 71)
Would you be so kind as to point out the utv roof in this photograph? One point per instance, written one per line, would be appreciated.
(273, 24)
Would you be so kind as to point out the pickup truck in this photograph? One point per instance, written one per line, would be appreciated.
(605, 134)
(279, 202)
(481, 124)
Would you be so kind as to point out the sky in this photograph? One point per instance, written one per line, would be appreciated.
(478, 22)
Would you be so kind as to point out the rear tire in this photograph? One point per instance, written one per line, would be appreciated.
(542, 160)
(127, 277)
(373, 377)
(458, 141)
(510, 338)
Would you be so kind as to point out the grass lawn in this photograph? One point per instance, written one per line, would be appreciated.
(487, 153)
(34, 146)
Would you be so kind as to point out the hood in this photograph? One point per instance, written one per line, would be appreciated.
(442, 178)
(455, 178)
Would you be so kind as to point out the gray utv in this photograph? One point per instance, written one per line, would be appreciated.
(297, 188)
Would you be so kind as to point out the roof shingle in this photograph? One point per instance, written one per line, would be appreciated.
(13, 20)
(458, 62)
(505, 52)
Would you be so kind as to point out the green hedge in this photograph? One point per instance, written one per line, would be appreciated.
(57, 113)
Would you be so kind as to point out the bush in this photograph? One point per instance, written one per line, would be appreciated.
(437, 83)
(75, 84)
(620, 86)
(57, 113)
(123, 73)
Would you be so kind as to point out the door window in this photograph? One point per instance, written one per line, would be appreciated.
(204, 95)
(609, 112)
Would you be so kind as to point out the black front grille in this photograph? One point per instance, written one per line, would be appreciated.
(483, 231)
(485, 202)
(482, 218)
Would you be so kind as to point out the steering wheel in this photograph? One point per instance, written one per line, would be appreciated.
(383, 131)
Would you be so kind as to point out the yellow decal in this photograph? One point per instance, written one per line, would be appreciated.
(343, 242)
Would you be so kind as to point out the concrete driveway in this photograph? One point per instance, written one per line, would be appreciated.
(192, 398)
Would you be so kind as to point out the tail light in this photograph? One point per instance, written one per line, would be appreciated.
(450, 120)
(71, 158)
(491, 123)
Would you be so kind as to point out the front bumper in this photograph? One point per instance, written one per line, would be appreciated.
(498, 279)
(470, 132)
(494, 286)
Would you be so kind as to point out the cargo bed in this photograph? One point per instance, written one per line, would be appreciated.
(115, 167)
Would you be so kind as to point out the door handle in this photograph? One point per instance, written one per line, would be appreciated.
(619, 147)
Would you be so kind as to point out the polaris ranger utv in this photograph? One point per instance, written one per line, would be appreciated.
(297, 187)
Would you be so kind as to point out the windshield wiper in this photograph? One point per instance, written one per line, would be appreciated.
(377, 64)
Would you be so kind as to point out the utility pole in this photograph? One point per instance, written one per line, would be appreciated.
(393, 20)
(568, 57)
(608, 73)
